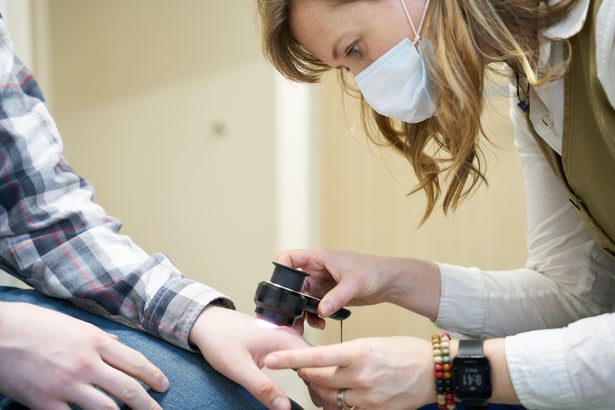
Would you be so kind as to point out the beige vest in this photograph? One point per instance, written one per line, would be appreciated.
(586, 167)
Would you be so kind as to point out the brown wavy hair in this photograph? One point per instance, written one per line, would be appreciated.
(444, 150)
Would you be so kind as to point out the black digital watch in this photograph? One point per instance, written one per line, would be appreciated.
(472, 375)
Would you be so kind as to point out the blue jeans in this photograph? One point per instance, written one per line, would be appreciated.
(194, 384)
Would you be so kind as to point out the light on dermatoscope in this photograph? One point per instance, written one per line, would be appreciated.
(266, 324)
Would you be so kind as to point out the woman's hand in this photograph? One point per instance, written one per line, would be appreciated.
(50, 360)
(236, 344)
(351, 278)
(343, 278)
(373, 373)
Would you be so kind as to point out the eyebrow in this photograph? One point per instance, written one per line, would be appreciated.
(335, 52)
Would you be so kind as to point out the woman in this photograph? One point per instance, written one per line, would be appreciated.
(420, 67)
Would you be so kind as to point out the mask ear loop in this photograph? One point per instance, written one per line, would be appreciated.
(417, 33)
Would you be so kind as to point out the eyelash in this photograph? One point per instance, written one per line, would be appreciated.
(354, 49)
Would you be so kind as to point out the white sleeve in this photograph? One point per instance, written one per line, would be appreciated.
(570, 368)
(568, 279)
(605, 48)
(567, 276)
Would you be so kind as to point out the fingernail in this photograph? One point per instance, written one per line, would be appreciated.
(164, 384)
(280, 403)
(326, 309)
(271, 361)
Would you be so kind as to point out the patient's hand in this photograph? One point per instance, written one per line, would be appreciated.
(49, 360)
(236, 344)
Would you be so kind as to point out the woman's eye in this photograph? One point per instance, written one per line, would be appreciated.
(354, 50)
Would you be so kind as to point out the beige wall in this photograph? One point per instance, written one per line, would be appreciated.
(168, 109)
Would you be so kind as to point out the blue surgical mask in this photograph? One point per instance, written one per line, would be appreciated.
(396, 84)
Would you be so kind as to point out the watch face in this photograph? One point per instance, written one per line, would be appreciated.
(472, 378)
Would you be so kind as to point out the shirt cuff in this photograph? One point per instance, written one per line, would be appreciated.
(565, 368)
(529, 361)
(176, 308)
(462, 301)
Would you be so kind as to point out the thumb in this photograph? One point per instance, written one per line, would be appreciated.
(337, 298)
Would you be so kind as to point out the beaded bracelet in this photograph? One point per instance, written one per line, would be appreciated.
(444, 379)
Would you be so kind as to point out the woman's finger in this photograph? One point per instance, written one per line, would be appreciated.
(319, 356)
(338, 297)
(315, 321)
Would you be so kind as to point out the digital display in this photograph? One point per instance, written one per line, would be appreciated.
(472, 378)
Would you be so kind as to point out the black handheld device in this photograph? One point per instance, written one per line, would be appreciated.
(280, 301)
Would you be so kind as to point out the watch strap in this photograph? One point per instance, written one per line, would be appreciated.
(470, 348)
(479, 405)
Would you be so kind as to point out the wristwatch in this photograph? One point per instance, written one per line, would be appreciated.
(472, 375)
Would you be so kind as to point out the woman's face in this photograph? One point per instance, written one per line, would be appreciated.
(353, 34)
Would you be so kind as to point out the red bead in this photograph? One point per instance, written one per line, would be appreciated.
(439, 367)
(439, 375)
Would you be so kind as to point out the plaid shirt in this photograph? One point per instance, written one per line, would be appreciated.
(56, 239)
